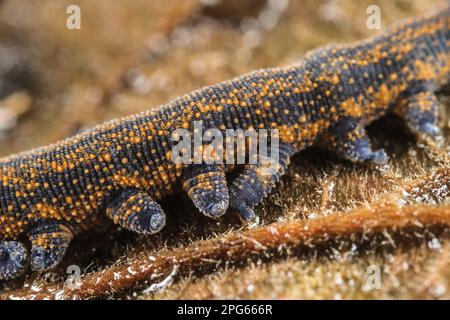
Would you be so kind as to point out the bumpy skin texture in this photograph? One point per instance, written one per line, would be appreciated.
(124, 167)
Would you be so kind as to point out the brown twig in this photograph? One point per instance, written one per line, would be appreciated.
(240, 246)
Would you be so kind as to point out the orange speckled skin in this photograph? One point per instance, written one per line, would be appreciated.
(124, 166)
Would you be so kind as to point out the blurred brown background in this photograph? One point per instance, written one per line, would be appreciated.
(134, 55)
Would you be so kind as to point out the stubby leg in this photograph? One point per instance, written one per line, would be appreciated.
(13, 259)
(137, 211)
(349, 139)
(255, 182)
(206, 185)
(420, 112)
(49, 242)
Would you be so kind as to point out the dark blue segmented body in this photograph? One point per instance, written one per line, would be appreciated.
(124, 166)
